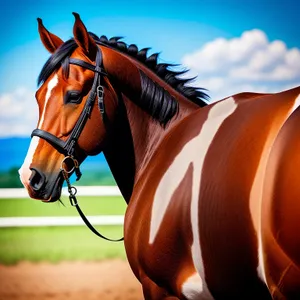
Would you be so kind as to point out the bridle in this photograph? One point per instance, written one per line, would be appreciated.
(68, 147)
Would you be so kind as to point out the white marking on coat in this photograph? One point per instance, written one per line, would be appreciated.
(296, 104)
(193, 152)
(192, 287)
(25, 171)
(51, 85)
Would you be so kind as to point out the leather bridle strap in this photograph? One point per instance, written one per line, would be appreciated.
(68, 147)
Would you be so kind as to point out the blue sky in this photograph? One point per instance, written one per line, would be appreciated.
(206, 36)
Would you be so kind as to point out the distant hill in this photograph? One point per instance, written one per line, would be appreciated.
(12, 154)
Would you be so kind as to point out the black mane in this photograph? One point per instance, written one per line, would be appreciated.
(197, 95)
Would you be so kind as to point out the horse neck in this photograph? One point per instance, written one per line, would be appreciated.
(147, 134)
(136, 134)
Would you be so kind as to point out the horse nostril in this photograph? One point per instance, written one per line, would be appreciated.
(36, 180)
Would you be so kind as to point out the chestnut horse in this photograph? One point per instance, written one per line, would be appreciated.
(213, 191)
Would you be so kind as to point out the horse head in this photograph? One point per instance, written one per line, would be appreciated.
(70, 123)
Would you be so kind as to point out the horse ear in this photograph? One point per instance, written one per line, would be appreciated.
(50, 40)
(83, 39)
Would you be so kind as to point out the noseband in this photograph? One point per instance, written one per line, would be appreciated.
(68, 147)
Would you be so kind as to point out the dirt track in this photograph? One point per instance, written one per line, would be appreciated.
(107, 280)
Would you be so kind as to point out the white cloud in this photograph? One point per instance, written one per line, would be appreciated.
(18, 113)
(248, 63)
(224, 66)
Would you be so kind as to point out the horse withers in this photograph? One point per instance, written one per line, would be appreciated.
(212, 189)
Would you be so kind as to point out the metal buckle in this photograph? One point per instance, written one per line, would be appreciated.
(74, 168)
(71, 189)
(73, 200)
(100, 94)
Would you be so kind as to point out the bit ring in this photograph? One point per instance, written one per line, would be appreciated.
(75, 162)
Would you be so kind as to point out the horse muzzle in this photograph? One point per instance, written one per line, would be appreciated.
(43, 187)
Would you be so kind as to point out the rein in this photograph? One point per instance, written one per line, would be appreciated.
(68, 147)
(73, 200)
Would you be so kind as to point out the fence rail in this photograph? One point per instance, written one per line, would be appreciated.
(61, 221)
(81, 190)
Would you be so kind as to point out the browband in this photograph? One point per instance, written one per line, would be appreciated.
(86, 65)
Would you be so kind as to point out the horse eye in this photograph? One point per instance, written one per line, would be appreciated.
(72, 97)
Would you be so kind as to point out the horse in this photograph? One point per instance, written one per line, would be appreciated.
(212, 187)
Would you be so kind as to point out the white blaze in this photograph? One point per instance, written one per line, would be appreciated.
(24, 171)
(51, 84)
(193, 152)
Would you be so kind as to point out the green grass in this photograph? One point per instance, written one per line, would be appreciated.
(56, 244)
(112, 205)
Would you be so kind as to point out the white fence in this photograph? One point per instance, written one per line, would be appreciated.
(62, 221)
(81, 190)
(59, 221)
